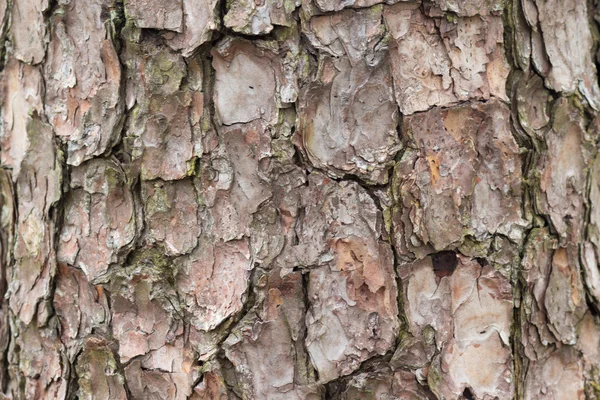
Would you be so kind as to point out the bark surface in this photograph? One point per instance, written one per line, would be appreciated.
(299, 199)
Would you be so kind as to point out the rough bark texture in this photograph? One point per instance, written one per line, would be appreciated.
(299, 199)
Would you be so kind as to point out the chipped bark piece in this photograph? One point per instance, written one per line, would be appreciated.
(559, 376)
(166, 143)
(420, 64)
(438, 66)
(564, 297)
(470, 8)
(41, 369)
(553, 311)
(474, 46)
(532, 105)
(170, 211)
(250, 82)
(28, 29)
(266, 347)
(572, 67)
(472, 353)
(160, 132)
(83, 96)
(165, 373)
(591, 249)
(246, 146)
(23, 85)
(594, 202)
(212, 281)
(530, 12)
(330, 213)
(498, 176)
(38, 187)
(555, 371)
(420, 287)
(153, 70)
(232, 183)
(156, 14)
(540, 59)
(341, 220)
(214, 185)
(347, 115)
(521, 36)
(143, 306)
(97, 372)
(590, 257)
(353, 312)
(536, 269)
(588, 343)
(268, 233)
(466, 171)
(100, 218)
(244, 86)
(273, 223)
(28, 147)
(255, 18)
(3, 14)
(335, 35)
(200, 20)
(80, 307)
(563, 178)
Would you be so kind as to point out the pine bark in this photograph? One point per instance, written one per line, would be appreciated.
(299, 199)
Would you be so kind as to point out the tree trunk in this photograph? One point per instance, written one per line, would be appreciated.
(299, 199)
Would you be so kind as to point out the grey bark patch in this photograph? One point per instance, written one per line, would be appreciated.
(347, 116)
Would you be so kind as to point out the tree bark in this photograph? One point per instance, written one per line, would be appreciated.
(299, 199)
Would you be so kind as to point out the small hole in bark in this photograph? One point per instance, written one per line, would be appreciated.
(444, 263)
(482, 261)
(468, 395)
(251, 87)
